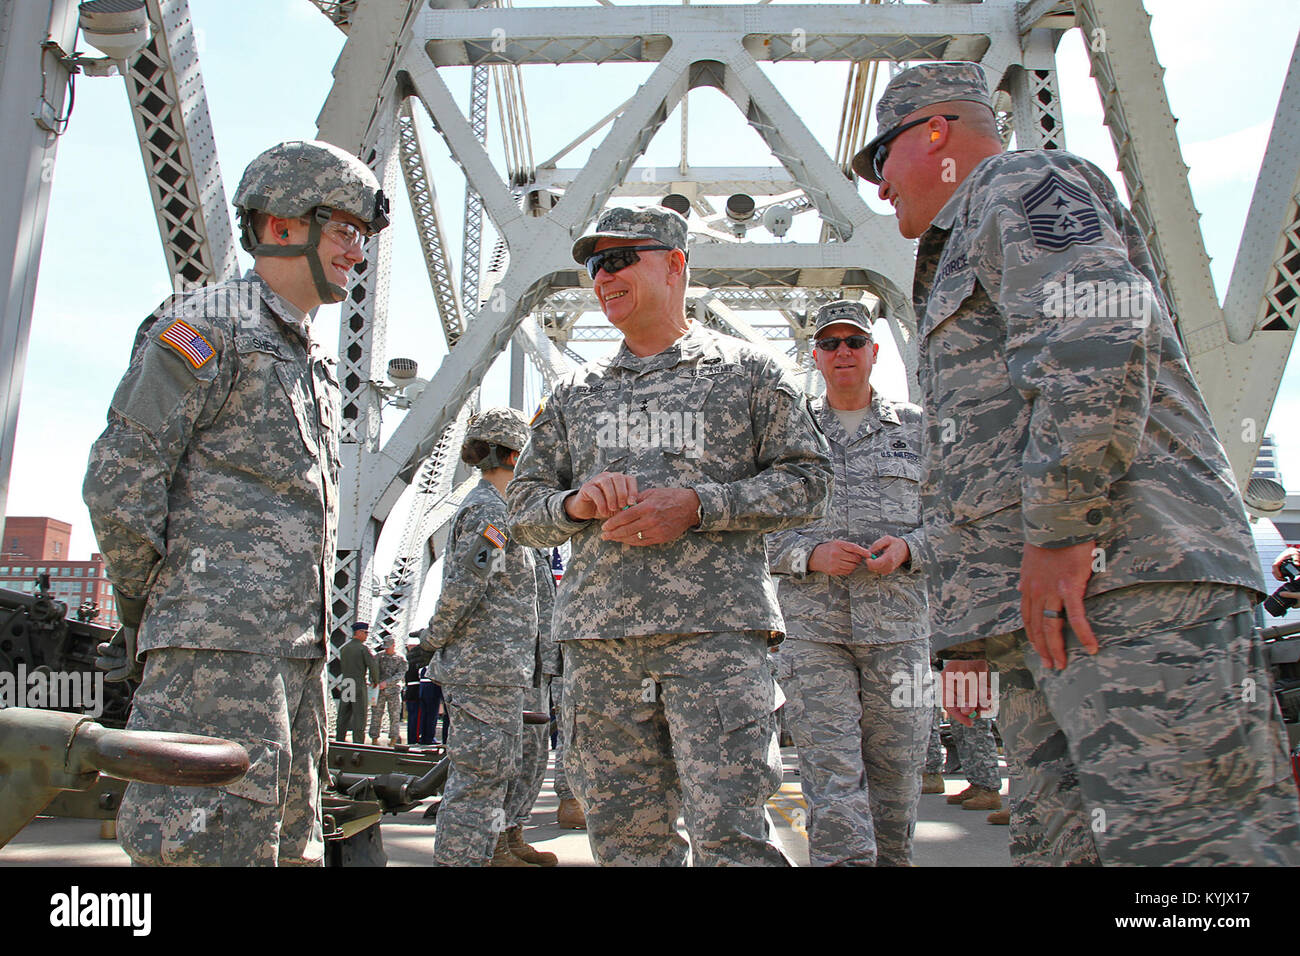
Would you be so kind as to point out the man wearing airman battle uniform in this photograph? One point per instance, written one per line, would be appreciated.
(1086, 536)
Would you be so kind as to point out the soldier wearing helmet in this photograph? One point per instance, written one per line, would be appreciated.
(214, 495)
(483, 634)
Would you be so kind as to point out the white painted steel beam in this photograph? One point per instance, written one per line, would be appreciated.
(428, 223)
(1263, 299)
(642, 33)
(170, 110)
(658, 180)
(27, 154)
(722, 316)
(550, 359)
(1136, 111)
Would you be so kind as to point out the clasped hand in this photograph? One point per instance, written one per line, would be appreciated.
(631, 516)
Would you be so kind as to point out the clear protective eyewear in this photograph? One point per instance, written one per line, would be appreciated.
(344, 233)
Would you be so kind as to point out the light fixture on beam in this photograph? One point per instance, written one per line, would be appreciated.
(677, 203)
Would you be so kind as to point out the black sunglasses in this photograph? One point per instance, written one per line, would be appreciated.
(618, 258)
(852, 341)
(882, 151)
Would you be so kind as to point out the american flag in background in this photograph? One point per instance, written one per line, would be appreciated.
(557, 565)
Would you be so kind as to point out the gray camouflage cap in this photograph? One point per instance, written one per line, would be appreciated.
(914, 89)
(657, 223)
(843, 311)
(293, 178)
(499, 426)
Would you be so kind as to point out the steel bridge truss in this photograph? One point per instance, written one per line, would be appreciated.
(392, 64)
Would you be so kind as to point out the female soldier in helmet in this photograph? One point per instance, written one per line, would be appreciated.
(483, 634)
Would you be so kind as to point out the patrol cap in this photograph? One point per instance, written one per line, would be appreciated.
(656, 223)
(499, 426)
(843, 312)
(390, 641)
(914, 89)
(360, 626)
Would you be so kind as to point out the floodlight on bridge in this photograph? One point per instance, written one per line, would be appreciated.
(119, 29)
(677, 203)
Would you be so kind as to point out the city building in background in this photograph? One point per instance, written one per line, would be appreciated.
(34, 546)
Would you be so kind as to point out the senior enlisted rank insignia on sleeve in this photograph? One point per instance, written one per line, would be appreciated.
(184, 339)
(1060, 213)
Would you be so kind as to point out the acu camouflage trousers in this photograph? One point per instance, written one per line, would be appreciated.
(1163, 748)
(484, 748)
(860, 753)
(667, 724)
(561, 781)
(389, 701)
(272, 706)
(536, 745)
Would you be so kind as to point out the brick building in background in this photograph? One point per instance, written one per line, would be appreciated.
(32, 546)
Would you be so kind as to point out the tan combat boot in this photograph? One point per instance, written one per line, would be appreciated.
(1000, 818)
(502, 856)
(983, 799)
(570, 816)
(932, 783)
(529, 854)
(956, 798)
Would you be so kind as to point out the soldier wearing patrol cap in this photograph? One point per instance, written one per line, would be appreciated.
(391, 688)
(483, 634)
(214, 495)
(852, 590)
(1084, 531)
(664, 465)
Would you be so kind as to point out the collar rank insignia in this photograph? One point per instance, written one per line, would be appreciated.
(184, 339)
(495, 536)
(1060, 213)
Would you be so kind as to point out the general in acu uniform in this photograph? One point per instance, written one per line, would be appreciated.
(392, 689)
(214, 495)
(853, 595)
(1072, 457)
(484, 637)
(664, 465)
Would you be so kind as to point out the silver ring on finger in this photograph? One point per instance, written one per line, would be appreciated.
(640, 536)
(1050, 613)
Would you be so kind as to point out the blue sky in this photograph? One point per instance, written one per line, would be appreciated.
(267, 66)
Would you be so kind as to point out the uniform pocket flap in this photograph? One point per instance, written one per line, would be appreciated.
(262, 782)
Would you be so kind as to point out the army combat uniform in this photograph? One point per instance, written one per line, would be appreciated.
(484, 633)
(537, 697)
(214, 491)
(668, 699)
(854, 640)
(392, 673)
(1061, 411)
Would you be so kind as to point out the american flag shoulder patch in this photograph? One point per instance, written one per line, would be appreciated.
(184, 339)
(537, 414)
(495, 536)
